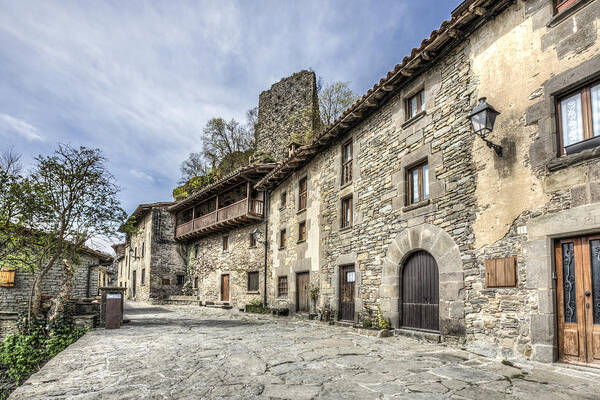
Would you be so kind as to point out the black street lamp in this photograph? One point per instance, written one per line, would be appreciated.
(132, 254)
(482, 119)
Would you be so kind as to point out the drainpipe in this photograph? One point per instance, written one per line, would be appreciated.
(266, 212)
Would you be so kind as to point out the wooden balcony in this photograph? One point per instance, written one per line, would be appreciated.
(231, 216)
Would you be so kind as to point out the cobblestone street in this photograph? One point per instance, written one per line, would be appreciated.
(181, 352)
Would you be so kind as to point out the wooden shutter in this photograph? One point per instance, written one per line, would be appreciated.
(7, 278)
(501, 272)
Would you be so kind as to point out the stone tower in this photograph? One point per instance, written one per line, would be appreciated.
(287, 113)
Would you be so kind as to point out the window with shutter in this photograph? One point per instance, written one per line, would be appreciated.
(501, 272)
(347, 163)
(302, 231)
(302, 193)
(253, 281)
(579, 116)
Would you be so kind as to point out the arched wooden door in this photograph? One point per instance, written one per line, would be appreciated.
(420, 293)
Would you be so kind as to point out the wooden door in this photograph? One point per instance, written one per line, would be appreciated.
(224, 287)
(420, 293)
(302, 292)
(578, 298)
(347, 280)
(134, 285)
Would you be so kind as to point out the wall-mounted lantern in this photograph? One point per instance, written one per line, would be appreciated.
(482, 119)
(132, 254)
(257, 234)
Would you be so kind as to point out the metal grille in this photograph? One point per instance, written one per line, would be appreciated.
(595, 253)
(282, 286)
(570, 302)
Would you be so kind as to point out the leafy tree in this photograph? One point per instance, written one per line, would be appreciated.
(223, 139)
(80, 203)
(18, 208)
(334, 99)
(227, 146)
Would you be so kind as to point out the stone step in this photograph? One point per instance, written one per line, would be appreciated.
(430, 336)
(182, 301)
(222, 306)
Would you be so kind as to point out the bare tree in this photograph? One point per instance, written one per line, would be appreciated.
(334, 99)
(10, 162)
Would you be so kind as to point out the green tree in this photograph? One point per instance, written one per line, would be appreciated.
(334, 99)
(18, 208)
(226, 146)
(80, 203)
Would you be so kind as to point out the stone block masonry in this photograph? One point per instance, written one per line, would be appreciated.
(209, 262)
(287, 112)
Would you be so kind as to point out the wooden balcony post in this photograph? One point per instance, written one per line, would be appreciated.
(248, 196)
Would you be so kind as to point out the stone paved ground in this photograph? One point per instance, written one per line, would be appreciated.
(180, 352)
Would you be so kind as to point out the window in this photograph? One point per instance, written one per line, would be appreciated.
(143, 276)
(282, 286)
(282, 238)
(253, 281)
(415, 104)
(225, 243)
(196, 250)
(347, 212)
(166, 281)
(180, 280)
(196, 283)
(418, 183)
(562, 5)
(302, 193)
(302, 231)
(579, 115)
(347, 163)
(135, 253)
(283, 200)
(252, 240)
(143, 246)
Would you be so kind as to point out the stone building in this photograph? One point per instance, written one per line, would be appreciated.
(406, 209)
(15, 291)
(153, 267)
(222, 226)
(215, 225)
(489, 238)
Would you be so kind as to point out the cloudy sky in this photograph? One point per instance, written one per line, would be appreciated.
(140, 79)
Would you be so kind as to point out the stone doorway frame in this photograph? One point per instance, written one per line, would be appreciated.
(541, 269)
(444, 250)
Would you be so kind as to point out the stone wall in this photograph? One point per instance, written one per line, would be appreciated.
(556, 195)
(212, 262)
(85, 284)
(161, 260)
(481, 206)
(167, 260)
(296, 257)
(290, 109)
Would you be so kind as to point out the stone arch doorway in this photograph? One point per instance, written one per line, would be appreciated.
(442, 248)
(419, 302)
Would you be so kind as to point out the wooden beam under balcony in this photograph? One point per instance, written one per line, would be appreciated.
(243, 212)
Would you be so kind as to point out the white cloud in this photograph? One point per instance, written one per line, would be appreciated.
(142, 175)
(140, 79)
(19, 127)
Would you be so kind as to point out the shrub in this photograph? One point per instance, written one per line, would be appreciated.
(382, 323)
(25, 352)
(367, 323)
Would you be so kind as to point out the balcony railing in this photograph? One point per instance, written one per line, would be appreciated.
(226, 217)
